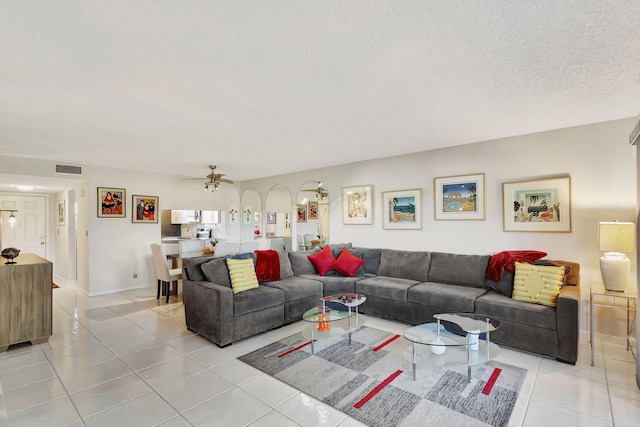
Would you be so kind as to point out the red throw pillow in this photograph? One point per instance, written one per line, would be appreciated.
(347, 263)
(322, 260)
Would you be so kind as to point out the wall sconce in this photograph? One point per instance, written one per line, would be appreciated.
(616, 239)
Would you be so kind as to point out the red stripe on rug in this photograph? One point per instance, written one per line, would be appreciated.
(492, 380)
(390, 340)
(295, 349)
(377, 390)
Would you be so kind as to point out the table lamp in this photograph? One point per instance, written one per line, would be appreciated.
(616, 239)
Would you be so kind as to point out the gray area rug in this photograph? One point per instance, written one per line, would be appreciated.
(371, 380)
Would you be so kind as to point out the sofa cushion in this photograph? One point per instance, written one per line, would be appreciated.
(332, 285)
(410, 265)
(242, 274)
(538, 284)
(216, 271)
(449, 298)
(194, 268)
(454, 269)
(285, 265)
(371, 259)
(322, 260)
(347, 263)
(504, 286)
(300, 263)
(500, 307)
(393, 288)
(256, 299)
(295, 288)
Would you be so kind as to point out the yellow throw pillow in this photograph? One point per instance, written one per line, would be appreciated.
(242, 274)
(538, 284)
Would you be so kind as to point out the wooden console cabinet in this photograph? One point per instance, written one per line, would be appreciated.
(25, 300)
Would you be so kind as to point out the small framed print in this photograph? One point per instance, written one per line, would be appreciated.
(145, 209)
(542, 205)
(302, 212)
(271, 217)
(111, 202)
(459, 197)
(61, 213)
(312, 211)
(402, 210)
(356, 205)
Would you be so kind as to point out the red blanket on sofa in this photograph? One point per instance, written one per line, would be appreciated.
(267, 266)
(506, 260)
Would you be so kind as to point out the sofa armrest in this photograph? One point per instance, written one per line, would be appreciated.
(568, 323)
(208, 309)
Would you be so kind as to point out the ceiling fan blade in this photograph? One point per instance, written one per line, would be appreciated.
(228, 181)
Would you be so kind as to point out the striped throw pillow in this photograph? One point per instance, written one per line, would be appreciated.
(242, 274)
(537, 284)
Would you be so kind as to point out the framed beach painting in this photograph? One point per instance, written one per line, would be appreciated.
(111, 202)
(402, 210)
(541, 205)
(145, 209)
(459, 197)
(357, 205)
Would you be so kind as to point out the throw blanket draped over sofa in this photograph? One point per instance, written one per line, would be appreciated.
(408, 286)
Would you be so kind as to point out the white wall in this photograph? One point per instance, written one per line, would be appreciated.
(598, 158)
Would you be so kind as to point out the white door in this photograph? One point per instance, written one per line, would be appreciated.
(30, 235)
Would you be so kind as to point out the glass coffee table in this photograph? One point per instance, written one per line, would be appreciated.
(328, 319)
(464, 341)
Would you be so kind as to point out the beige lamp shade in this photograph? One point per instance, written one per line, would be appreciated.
(616, 239)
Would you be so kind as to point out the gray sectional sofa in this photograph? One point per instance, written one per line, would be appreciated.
(408, 286)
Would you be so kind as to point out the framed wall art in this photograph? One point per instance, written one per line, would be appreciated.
(357, 205)
(145, 209)
(541, 205)
(61, 213)
(402, 210)
(302, 212)
(312, 210)
(459, 197)
(111, 202)
(271, 217)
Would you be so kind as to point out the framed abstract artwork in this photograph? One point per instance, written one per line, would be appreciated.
(302, 212)
(541, 205)
(459, 197)
(312, 210)
(145, 209)
(357, 205)
(402, 210)
(111, 202)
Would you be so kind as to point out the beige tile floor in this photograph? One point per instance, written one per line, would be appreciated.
(127, 359)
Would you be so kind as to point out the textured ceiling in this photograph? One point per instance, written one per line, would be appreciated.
(268, 87)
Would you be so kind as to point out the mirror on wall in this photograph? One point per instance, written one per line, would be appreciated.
(250, 215)
(312, 219)
(277, 223)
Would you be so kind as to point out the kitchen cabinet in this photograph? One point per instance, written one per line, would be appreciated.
(211, 217)
(26, 304)
(184, 216)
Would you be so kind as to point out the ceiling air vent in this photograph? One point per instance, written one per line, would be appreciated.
(634, 136)
(73, 170)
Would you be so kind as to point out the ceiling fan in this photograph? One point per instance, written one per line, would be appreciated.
(320, 191)
(213, 180)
